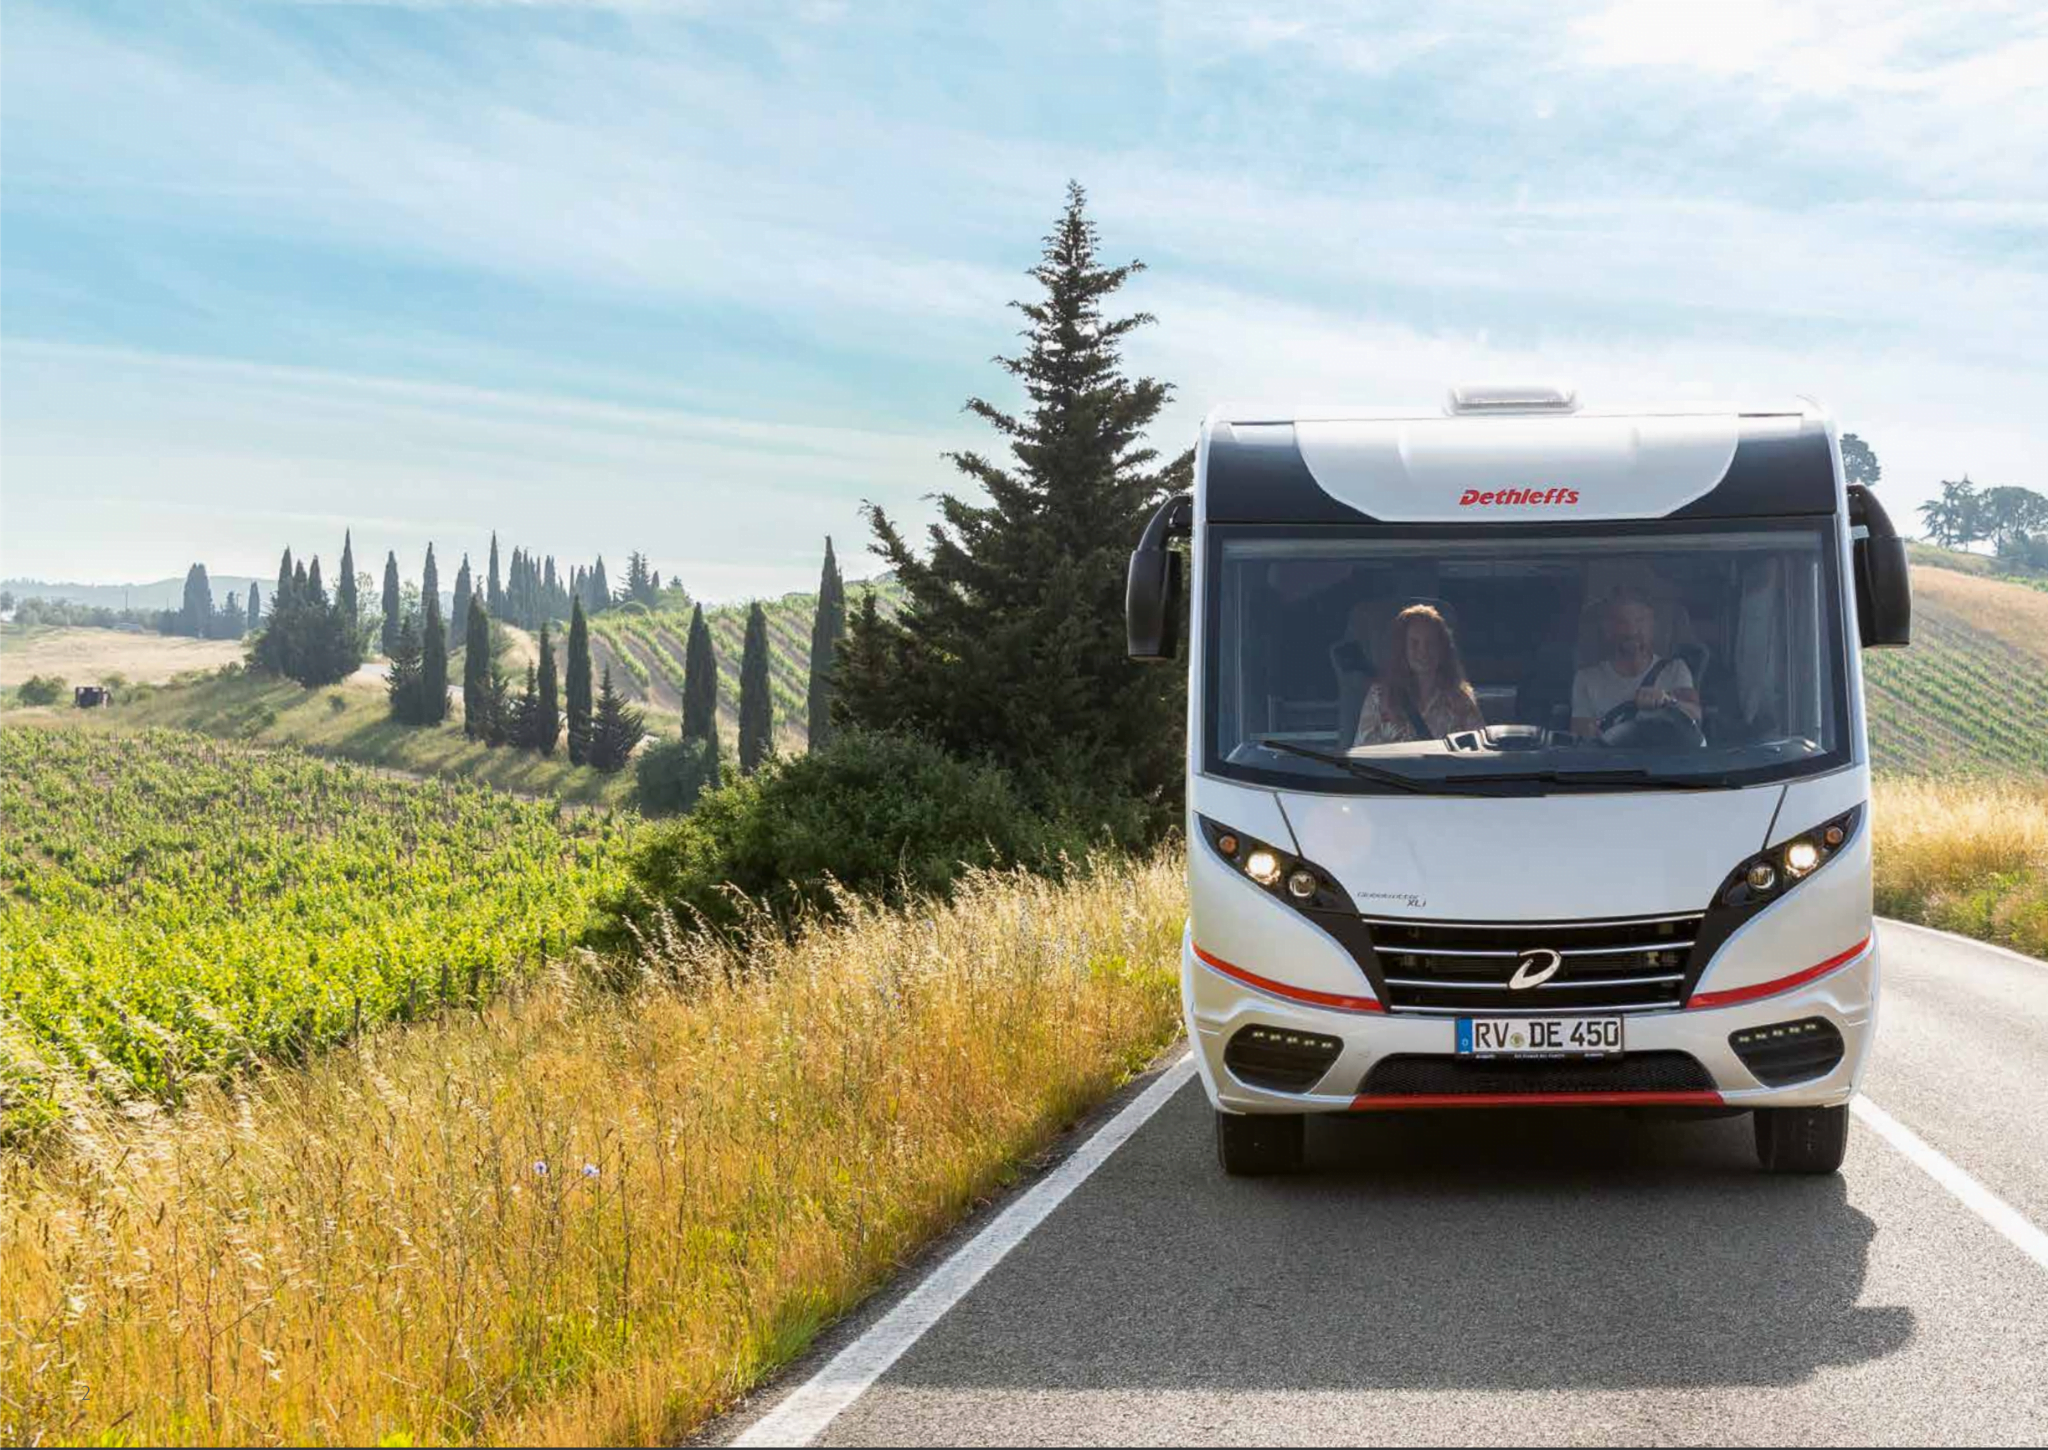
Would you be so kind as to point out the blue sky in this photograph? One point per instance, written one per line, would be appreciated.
(699, 278)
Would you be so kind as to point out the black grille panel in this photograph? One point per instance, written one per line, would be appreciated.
(1789, 1052)
(1442, 968)
(1416, 1075)
(1280, 1058)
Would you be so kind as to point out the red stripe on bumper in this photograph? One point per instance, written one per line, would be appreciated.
(1381, 1102)
(1781, 984)
(1331, 1000)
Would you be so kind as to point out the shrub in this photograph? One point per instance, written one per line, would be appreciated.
(882, 815)
(673, 773)
(337, 703)
(40, 690)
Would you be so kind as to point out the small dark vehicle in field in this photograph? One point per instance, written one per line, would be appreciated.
(91, 697)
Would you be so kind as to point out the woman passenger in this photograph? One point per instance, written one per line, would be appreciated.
(1423, 695)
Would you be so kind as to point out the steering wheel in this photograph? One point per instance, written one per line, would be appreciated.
(1664, 727)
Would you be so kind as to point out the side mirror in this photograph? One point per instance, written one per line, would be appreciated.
(1884, 595)
(1152, 588)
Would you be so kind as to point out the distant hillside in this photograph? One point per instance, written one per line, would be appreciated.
(157, 594)
(1971, 694)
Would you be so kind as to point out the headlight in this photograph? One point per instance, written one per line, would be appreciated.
(1770, 874)
(1301, 884)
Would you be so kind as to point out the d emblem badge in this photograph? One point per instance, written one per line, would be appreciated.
(1534, 969)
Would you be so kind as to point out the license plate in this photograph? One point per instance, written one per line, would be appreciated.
(1538, 1036)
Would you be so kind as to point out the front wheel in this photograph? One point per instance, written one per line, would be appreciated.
(1253, 1144)
(1802, 1140)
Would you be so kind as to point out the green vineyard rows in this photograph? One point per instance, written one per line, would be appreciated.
(173, 906)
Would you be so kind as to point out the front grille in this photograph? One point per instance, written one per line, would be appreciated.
(1414, 1075)
(1445, 968)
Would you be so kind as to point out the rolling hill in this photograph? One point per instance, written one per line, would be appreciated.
(1971, 694)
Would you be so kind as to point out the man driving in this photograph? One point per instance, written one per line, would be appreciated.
(1631, 671)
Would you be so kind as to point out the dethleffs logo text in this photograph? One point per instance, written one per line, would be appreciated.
(1473, 496)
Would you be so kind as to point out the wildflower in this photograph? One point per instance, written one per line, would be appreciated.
(590, 1170)
(540, 1168)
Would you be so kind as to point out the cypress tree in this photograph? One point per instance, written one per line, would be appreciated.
(860, 671)
(345, 587)
(577, 691)
(615, 728)
(547, 724)
(495, 599)
(476, 673)
(196, 618)
(828, 624)
(458, 612)
(523, 726)
(600, 588)
(1010, 642)
(394, 605)
(315, 592)
(404, 682)
(255, 608)
(430, 584)
(433, 659)
(281, 595)
(700, 681)
(757, 705)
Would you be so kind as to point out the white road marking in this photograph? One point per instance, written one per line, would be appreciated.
(801, 1417)
(1969, 941)
(1973, 1195)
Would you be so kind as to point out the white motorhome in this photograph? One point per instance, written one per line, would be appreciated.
(1526, 763)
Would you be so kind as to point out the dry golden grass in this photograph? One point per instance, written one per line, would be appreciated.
(584, 1215)
(1965, 855)
(83, 656)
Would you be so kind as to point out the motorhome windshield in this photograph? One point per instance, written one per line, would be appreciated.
(1612, 659)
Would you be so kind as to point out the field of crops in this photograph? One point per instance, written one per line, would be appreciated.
(1971, 694)
(174, 907)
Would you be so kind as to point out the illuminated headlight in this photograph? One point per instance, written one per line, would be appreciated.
(1801, 857)
(1295, 881)
(1770, 873)
(1263, 867)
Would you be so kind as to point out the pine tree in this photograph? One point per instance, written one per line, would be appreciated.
(494, 601)
(522, 724)
(1010, 642)
(476, 673)
(700, 681)
(757, 705)
(577, 691)
(406, 680)
(615, 728)
(345, 587)
(860, 669)
(828, 624)
(394, 604)
(433, 657)
(458, 612)
(255, 608)
(547, 725)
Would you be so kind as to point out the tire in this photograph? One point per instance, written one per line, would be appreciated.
(1251, 1145)
(1802, 1140)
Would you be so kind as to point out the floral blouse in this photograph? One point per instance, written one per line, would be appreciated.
(1381, 722)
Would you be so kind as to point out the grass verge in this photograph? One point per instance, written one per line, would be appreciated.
(583, 1214)
(1967, 856)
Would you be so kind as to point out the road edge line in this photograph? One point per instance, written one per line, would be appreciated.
(805, 1412)
(1995, 1211)
(1969, 941)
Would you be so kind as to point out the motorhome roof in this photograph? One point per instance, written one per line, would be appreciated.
(1256, 413)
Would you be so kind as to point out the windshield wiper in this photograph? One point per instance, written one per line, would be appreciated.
(1621, 777)
(1358, 768)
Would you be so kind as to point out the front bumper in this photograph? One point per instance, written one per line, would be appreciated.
(1216, 1007)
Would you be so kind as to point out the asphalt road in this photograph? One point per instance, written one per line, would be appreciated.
(1532, 1278)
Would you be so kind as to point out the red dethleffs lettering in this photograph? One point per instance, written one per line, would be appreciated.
(1523, 496)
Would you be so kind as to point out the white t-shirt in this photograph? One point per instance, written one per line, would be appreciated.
(1599, 688)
